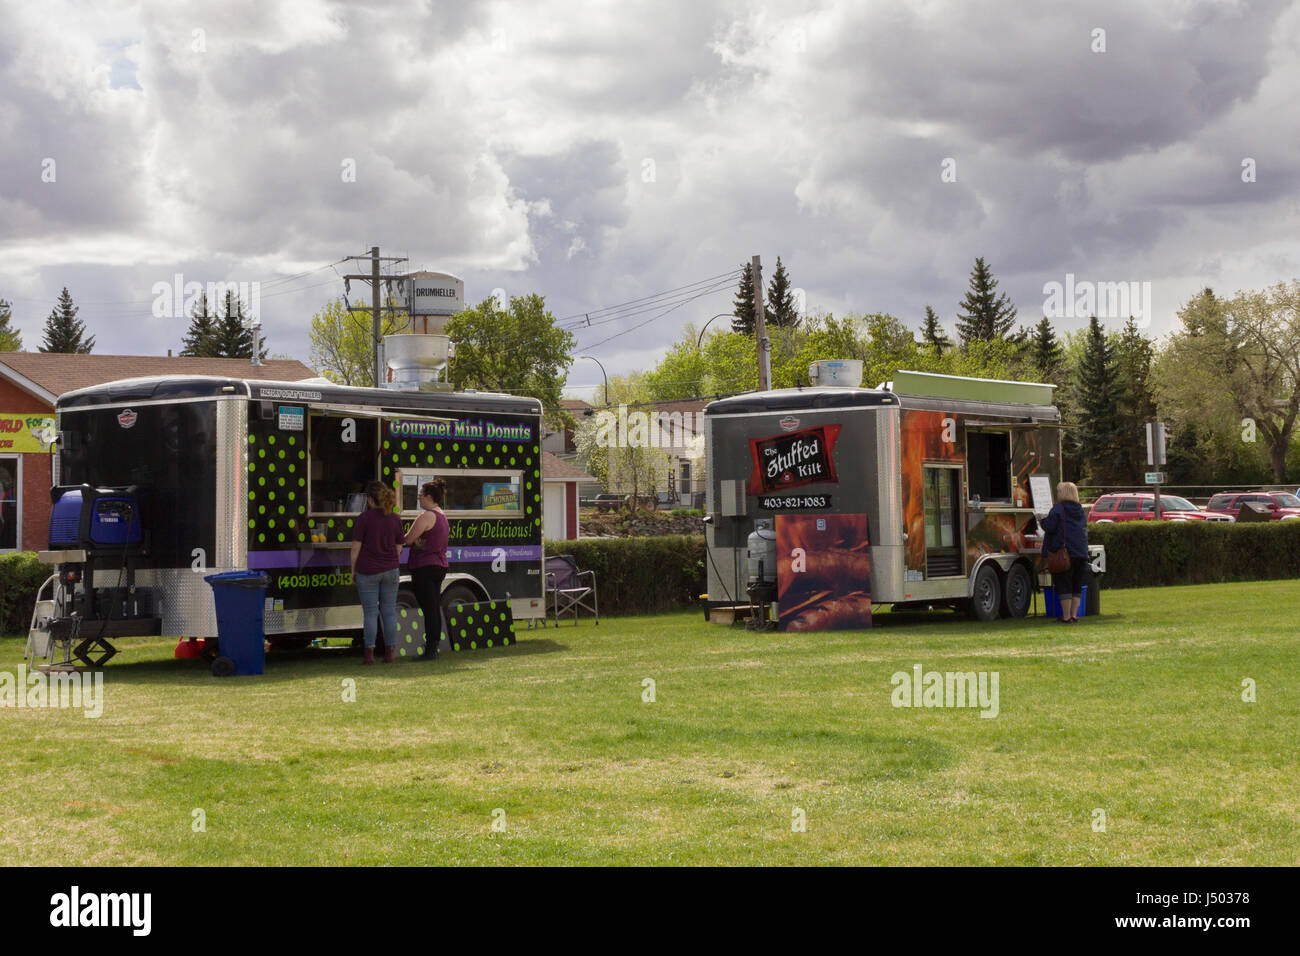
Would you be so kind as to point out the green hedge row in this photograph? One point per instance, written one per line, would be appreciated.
(21, 575)
(641, 575)
(646, 575)
(1142, 554)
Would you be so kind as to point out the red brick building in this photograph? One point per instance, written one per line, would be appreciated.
(30, 382)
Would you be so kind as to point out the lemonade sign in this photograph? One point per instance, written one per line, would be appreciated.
(498, 496)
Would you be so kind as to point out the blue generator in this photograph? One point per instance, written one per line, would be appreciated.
(97, 519)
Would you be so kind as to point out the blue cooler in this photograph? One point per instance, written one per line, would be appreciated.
(1053, 606)
(240, 597)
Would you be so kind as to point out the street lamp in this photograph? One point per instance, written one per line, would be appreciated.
(602, 373)
(700, 341)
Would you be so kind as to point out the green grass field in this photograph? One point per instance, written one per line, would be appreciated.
(1138, 713)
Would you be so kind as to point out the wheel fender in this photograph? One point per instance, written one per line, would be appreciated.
(999, 561)
(469, 580)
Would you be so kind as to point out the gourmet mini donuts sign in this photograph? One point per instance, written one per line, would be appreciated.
(790, 460)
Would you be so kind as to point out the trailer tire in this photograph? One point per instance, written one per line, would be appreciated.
(223, 667)
(986, 596)
(1017, 591)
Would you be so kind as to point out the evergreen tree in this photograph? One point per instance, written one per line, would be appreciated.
(780, 309)
(1099, 434)
(11, 340)
(64, 331)
(232, 337)
(743, 304)
(932, 333)
(198, 341)
(1134, 353)
(987, 314)
(1046, 353)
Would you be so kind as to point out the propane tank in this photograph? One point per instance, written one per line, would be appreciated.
(761, 553)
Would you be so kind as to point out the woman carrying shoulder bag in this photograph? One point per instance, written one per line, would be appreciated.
(1065, 546)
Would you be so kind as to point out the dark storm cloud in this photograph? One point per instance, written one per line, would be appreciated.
(598, 153)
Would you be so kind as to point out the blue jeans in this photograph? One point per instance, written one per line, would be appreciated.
(379, 597)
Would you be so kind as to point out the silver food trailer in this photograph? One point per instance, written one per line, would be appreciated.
(234, 473)
(920, 493)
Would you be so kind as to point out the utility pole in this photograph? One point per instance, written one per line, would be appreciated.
(375, 309)
(760, 328)
(374, 306)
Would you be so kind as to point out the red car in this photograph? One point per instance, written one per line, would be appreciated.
(1139, 506)
(1282, 504)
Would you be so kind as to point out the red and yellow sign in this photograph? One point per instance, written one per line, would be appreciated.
(27, 433)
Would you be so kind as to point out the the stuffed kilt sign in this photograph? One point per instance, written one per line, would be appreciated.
(793, 459)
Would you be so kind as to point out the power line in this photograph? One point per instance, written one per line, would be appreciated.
(647, 301)
(659, 315)
(679, 299)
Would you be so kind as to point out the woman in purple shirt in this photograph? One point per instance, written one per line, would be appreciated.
(428, 563)
(376, 552)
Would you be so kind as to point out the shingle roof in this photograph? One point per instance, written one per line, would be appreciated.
(573, 404)
(557, 469)
(56, 372)
(682, 405)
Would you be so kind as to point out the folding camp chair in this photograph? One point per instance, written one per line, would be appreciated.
(568, 589)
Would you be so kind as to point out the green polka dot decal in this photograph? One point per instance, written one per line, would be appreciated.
(486, 624)
(471, 453)
(278, 502)
(277, 495)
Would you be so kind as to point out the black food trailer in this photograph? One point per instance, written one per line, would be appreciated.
(160, 481)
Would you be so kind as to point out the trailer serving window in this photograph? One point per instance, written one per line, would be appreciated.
(988, 465)
(342, 455)
(471, 493)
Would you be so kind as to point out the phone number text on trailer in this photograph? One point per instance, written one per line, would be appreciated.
(782, 502)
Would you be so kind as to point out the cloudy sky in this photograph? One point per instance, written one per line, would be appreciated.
(603, 153)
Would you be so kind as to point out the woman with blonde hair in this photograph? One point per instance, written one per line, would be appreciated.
(376, 554)
(1066, 526)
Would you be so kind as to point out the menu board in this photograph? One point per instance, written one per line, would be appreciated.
(1040, 488)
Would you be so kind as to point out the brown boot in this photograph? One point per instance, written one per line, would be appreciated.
(390, 655)
(370, 656)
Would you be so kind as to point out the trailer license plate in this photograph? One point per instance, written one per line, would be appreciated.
(786, 502)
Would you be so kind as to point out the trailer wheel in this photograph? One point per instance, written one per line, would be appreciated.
(1017, 591)
(223, 667)
(986, 600)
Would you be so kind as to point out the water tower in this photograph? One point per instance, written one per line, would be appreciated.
(418, 356)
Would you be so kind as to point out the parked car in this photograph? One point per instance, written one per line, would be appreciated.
(609, 502)
(1141, 506)
(1282, 504)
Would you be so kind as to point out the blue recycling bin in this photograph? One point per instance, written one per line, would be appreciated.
(1053, 604)
(240, 597)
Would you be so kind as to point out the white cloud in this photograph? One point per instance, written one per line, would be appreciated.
(597, 153)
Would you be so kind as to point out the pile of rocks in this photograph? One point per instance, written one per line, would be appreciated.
(639, 524)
